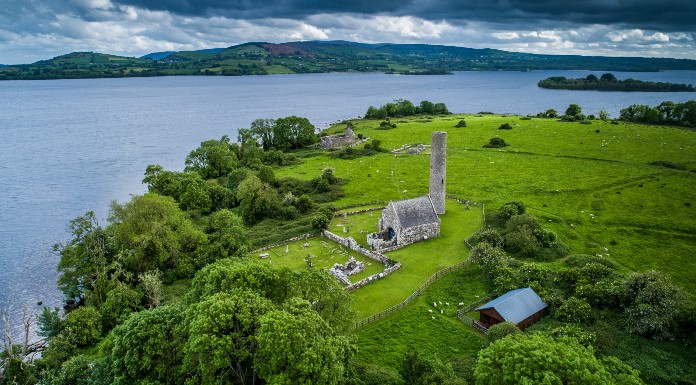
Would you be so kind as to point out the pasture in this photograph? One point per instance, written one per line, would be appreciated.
(593, 184)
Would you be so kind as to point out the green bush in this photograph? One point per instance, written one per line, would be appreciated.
(120, 302)
(575, 310)
(488, 258)
(491, 236)
(501, 330)
(496, 143)
(585, 338)
(505, 126)
(386, 125)
(82, 326)
(651, 304)
(461, 123)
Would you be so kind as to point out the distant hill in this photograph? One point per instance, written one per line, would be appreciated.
(260, 58)
(157, 55)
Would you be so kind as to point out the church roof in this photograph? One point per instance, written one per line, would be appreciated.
(415, 211)
(516, 305)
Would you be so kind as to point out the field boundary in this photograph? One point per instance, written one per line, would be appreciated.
(411, 297)
(461, 314)
(285, 242)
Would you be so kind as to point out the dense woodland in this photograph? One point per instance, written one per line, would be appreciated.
(239, 321)
(322, 57)
(609, 82)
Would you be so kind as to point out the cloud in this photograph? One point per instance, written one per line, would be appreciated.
(666, 15)
(31, 30)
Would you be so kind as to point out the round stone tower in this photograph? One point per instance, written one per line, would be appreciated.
(438, 170)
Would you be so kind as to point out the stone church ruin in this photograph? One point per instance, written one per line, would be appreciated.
(416, 219)
(333, 141)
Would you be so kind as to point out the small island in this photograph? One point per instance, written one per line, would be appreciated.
(609, 82)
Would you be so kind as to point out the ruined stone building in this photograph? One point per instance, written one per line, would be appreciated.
(404, 222)
(333, 141)
(412, 220)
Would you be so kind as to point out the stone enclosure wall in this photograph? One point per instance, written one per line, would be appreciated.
(291, 240)
(352, 244)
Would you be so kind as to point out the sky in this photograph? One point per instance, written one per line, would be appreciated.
(32, 30)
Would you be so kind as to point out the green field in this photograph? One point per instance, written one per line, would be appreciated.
(592, 184)
(442, 335)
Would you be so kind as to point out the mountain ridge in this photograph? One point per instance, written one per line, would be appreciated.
(262, 58)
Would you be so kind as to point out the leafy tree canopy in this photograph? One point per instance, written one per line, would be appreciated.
(539, 359)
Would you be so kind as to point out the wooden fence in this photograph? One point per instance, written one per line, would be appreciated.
(461, 315)
(411, 297)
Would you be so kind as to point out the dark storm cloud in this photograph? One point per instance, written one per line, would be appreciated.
(665, 15)
(32, 30)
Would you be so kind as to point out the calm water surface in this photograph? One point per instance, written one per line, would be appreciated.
(70, 146)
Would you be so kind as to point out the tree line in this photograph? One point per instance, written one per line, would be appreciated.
(402, 107)
(667, 113)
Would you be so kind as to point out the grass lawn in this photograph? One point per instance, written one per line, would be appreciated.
(357, 225)
(420, 261)
(325, 252)
(385, 342)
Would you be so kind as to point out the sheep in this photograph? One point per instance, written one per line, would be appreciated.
(435, 304)
(430, 310)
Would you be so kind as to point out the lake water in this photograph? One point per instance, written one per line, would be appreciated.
(70, 146)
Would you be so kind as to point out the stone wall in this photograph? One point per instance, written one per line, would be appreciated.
(352, 244)
(376, 241)
(418, 233)
(285, 242)
(359, 211)
(373, 277)
(336, 141)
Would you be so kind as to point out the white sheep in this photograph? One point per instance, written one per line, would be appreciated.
(430, 310)
(433, 317)
(442, 312)
(435, 304)
(446, 303)
(461, 303)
